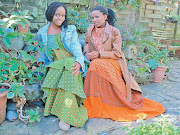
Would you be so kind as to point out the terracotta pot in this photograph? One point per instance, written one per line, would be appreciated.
(3, 100)
(159, 73)
(21, 29)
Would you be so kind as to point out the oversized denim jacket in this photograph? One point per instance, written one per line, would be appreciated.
(69, 38)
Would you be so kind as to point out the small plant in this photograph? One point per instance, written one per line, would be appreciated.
(15, 90)
(33, 115)
(162, 127)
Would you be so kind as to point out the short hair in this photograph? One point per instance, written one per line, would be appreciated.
(107, 11)
(51, 9)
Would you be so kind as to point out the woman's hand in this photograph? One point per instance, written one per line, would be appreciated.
(87, 56)
(76, 67)
(94, 55)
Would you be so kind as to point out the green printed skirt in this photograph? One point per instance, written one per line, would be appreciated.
(64, 94)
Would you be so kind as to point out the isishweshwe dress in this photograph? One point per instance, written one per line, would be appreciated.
(105, 90)
(63, 92)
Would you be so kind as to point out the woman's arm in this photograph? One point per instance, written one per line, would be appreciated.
(76, 48)
(116, 50)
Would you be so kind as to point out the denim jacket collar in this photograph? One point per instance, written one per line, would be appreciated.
(43, 32)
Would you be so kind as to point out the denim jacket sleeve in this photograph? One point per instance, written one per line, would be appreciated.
(76, 49)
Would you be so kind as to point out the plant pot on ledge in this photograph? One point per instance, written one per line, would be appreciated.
(159, 73)
(21, 29)
(3, 100)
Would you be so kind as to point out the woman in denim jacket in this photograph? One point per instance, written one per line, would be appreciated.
(63, 87)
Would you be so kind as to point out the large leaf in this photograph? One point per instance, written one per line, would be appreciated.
(39, 77)
(3, 13)
(34, 14)
(31, 48)
(10, 95)
(20, 93)
(14, 67)
(25, 55)
(32, 119)
(1, 22)
(11, 35)
(32, 59)
(13, 62)
(20, 12)
(38, 118)
(2, 32)
(25, 12)
(7, 42)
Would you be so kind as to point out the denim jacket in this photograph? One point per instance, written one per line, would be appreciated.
(69, 38)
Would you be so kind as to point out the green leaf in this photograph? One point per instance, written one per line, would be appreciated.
(38, 118)
(13, 62)
(20, 78)
(4, 78)
(17, 0)
(32, 59)
(1, 22)
(20, 12)
(7, 42)
(31, 48)
(34, 14)
(31, 81)
(39, 78)
(29, 75)
(25, 55)
(32, 119)
(25, 12)
(2, 32)
(10, 95)
(3, 13)
(14, 67)
(20, 93)
(11, 35)
(22, 71)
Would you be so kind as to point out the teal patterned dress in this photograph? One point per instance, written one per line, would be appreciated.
(63, 92)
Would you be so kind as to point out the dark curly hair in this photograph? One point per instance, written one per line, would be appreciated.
(50, 11)
(107, 11)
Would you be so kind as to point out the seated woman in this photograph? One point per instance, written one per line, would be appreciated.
(63, 87)
(110, 89)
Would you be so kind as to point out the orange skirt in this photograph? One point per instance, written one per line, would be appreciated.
(105, 90)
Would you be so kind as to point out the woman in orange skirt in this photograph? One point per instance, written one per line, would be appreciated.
(110, 89)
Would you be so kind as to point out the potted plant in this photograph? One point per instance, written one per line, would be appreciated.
(14, 40)
(158, 63)
(24, 16)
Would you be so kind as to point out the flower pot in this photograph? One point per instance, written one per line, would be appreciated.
(3, 100)
(159, 73)
(21, 29)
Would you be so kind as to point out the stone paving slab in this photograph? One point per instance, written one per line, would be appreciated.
(167, 92)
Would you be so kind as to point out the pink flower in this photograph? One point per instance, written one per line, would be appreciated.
(141, 65)
(35, 42)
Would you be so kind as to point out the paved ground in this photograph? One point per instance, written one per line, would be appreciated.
(167, 93)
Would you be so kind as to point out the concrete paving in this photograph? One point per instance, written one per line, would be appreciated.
(167, 92)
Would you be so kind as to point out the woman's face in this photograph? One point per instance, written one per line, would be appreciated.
(59, 16)
(98, 19)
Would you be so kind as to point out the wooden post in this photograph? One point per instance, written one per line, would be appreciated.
(175, 28)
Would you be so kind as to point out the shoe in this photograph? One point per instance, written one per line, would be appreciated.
(64, 126)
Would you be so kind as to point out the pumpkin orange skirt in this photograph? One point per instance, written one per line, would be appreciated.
(105, 90)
